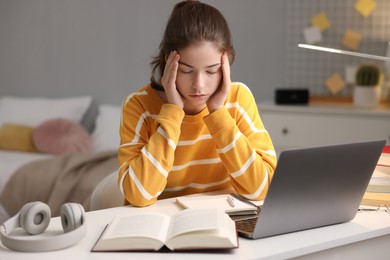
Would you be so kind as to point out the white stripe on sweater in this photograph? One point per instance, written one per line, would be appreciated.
(137, 183)
(141, 93)
(198, 185)
(242, 111)
(260, 189)
(231, 145)
(245, 166)
(191, 142)
(154, 161)
(196, 162)
(162, 132)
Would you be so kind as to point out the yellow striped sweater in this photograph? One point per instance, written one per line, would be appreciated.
(165, 153)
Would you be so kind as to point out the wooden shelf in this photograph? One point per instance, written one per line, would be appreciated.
(337, 100)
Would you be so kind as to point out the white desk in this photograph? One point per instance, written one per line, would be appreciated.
(365, 237)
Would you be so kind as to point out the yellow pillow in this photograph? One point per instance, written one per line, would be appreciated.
(17, 137)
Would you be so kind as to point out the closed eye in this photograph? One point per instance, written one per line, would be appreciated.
(185, 71)
(211, 72)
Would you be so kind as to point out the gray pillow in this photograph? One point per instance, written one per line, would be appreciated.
(89, 118)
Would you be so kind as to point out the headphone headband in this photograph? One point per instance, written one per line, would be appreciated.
(33, 244)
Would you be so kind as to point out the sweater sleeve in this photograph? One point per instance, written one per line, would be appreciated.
(146, 153)
(244, 146)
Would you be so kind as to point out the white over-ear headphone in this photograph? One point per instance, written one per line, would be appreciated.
(34, 218)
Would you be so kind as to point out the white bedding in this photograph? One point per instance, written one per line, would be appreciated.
(10, 161)
(104, 137)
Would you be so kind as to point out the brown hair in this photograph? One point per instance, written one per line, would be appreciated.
(191, 22)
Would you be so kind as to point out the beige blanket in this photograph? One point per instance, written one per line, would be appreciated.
(67, 178)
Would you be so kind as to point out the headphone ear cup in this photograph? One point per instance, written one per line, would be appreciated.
(35, 217)
(72, 216)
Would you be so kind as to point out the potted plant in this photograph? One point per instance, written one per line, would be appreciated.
(367, 92)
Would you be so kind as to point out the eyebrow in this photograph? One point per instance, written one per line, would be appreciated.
(190, 66)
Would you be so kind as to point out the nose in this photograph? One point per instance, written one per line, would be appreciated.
(198, 82)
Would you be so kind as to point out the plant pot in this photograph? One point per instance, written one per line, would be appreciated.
(364, 96)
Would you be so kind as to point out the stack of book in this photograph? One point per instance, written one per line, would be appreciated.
(380, 181)
(378, 190)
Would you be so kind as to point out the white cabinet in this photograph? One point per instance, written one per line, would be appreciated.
(294, 126)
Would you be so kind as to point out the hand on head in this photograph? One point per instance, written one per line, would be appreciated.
(218, 98)
(168, 80)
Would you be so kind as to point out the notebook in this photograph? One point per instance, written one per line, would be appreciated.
(238, 208)
(315, 187)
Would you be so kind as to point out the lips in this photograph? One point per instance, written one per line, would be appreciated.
(198, 95)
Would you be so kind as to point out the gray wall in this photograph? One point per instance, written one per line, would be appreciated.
(61, 48)
(311, 69)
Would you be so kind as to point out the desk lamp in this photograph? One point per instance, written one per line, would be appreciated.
(351, 53)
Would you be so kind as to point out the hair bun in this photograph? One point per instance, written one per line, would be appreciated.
(184, 3)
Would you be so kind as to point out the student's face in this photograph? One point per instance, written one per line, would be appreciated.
(199, 75)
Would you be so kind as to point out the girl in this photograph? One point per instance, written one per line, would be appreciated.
(191, 129)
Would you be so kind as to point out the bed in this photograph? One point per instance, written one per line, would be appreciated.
(57, 151)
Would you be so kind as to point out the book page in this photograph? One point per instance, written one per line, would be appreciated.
(194, 220)
(382, 171)
(188, 229)
(153, 225)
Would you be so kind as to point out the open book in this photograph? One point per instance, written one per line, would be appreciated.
(186, 230)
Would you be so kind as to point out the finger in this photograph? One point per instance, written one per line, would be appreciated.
(225, 70)
(174, 68)
(168, 62)
(170, 58)
(169, 67)
(170, 72)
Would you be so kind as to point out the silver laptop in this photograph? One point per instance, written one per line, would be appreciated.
(314, 187)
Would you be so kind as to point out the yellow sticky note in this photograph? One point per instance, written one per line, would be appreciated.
(365, 7)
(352, 39)
(320, 21)
(335, 83)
